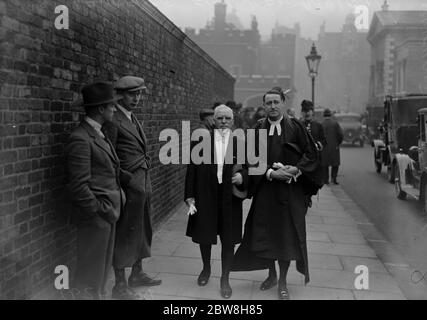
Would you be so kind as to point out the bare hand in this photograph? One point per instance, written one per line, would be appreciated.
(282, 175)
(291, 170)
(237, 179)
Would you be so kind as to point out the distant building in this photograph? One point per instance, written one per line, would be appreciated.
(342, 83)
(257, 66)
(398, 55)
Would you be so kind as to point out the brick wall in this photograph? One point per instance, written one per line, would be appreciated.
(41, 72)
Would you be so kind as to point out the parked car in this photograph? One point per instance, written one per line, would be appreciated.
(410, 169)
(352, 127)
(375, 114)
(399, 130)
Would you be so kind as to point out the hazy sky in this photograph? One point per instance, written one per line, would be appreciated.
(310, 13)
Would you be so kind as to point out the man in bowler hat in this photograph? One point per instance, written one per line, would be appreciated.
(134, 230)
(93, 188)
(331, 153)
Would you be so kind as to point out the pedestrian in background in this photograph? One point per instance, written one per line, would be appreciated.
(331, 152)
(207, 119)
(134, 230)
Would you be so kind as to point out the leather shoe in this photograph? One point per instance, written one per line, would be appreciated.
(203, 278)
(268, 283)
(335, 182)
(283, 293)
(122, 292)
(226, 290)
(142, 279)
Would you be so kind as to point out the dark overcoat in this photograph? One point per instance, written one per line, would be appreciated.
(334, 137)
(134, 229)
(93, 188)
(201, 183)
(276, 200)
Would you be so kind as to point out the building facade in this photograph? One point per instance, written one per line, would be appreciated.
(398, 54)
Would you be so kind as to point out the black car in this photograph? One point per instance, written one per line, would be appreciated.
(352, 127)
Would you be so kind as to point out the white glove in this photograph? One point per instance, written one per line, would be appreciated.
(191, 203)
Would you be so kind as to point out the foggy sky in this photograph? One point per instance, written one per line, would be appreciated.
(310, 13)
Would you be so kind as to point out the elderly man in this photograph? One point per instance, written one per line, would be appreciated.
(94, 190)
(134, 231)
(214, 208)
(275, 227)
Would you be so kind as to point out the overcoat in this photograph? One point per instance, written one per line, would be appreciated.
(334, 137)
(276, 201)
(93, 188)
(134, 228)
(201, 184)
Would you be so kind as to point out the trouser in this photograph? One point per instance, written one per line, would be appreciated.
(95, 244)
(334, 173)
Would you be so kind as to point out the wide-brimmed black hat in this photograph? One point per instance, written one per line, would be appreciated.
(306, 105)
(98, 93)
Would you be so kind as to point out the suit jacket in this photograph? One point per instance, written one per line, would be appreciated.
(93, 176)
(130, 145)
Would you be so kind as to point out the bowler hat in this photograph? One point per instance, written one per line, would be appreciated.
(98, 93)
(327, 113)
(306, 106)
(130, 83)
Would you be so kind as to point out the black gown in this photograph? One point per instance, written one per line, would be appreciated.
(275, 228)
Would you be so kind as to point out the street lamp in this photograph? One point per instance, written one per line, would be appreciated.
(313, 60)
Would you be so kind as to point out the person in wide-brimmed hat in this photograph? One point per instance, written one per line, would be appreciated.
(94, 191)
(134, 229)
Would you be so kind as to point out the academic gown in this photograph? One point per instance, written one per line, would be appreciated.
(275, 227)
(201, 183)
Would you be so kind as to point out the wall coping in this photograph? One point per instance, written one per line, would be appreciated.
(169, 26)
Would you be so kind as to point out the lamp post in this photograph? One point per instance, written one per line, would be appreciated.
(313, 60)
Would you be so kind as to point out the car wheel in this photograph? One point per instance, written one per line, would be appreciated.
(397, 184)
(377, 165)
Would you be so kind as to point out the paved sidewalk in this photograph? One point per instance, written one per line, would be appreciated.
(335, 247)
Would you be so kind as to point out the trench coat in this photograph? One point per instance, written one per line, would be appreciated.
(276, 200)
(201, 183)
(93, 188)
(134, 228)
(334, 137)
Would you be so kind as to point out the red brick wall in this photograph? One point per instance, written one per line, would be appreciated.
(42, 71)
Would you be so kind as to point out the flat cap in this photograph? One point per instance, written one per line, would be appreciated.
(206, 112)
(130, 83)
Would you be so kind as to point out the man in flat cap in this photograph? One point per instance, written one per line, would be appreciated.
(93, 188)
(134, 230)
(207, 118)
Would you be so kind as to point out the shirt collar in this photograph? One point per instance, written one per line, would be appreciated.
(219, 134)
(127, 113)
(96, 125)
(275, 122)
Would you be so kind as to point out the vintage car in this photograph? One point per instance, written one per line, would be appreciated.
(410, 169)
(399, 130)
(352, 127)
